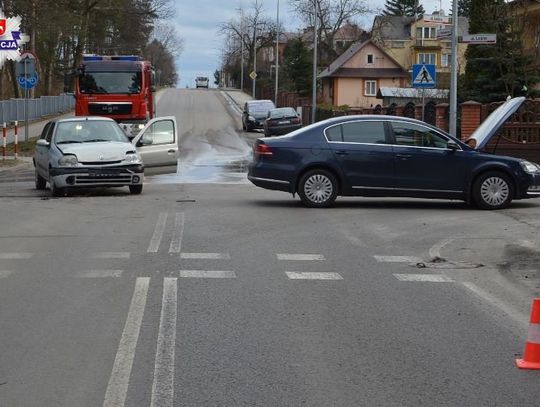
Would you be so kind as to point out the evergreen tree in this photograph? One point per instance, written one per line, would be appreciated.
(494, 72)
(298, 66)
(409, 8)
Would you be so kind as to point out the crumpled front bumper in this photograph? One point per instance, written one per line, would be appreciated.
(98, 176)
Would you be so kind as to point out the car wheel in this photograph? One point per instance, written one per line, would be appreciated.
(493, 190)
(41, 182)
(318, 189)
(267, 133)
(56, 191)
(135, 189)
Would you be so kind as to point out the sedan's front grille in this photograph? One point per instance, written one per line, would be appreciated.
(103, 178)
(99, 162)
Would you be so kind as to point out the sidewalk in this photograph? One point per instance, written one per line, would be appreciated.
(237, 97)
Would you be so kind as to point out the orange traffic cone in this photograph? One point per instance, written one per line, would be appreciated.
(531, 356)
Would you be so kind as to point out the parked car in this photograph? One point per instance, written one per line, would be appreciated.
(83, 152)
(382, 156)
(282, 120)
(255, 113)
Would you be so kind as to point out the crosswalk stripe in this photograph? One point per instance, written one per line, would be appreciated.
(5, 273)
(112, 255)
(163, 384)
(398, 259)
(15, 256)
(206, 256)
(115, 395)
(295, 275)
(176, 241)
(300, 257)
(427, 278)
(207, 274)
(100, 273)
(155, 241)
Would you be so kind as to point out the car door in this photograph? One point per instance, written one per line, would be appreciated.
(157, 144)
(41, 155)
(362, 150)
(423, 161)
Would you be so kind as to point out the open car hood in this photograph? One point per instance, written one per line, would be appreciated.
(489, 127)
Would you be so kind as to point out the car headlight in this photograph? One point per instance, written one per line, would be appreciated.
(251, 118)
(132, 158)
(68, 160)
(529, 167)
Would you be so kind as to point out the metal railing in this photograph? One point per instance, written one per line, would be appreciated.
(13, 109)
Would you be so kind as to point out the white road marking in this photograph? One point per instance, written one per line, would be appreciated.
(112, 255)
(300, 257)
(119, 380)
(100, 273)
(5, 273)
(206, 256)
(15, 256)
(163, 385)
(295, 275)
(398, 259)
(153, 247)
(176, 241)
(426, 278)
(207, 274)
(511, 312)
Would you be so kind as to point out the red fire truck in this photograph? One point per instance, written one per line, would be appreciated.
(120, 87)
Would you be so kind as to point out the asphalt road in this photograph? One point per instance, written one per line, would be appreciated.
(207, 291)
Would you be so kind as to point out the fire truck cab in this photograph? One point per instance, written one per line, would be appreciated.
(120, 87)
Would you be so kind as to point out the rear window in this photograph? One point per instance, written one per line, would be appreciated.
(285, 112)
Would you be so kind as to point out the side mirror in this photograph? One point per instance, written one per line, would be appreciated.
(452, 145)
(43, 143)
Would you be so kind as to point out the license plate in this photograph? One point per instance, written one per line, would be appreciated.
(285, 122)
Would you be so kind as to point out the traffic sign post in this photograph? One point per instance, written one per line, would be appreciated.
(27, 78)
(424, 76)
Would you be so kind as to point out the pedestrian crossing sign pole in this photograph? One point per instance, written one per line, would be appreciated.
(424, 76)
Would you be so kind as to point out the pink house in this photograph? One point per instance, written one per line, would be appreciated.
(354, 78)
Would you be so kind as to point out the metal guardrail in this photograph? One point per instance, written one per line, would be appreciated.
(13, 109)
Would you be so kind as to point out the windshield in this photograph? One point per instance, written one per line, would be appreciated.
(110, 82)
(88, 131)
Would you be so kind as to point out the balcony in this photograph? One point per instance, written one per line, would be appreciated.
(427, 43)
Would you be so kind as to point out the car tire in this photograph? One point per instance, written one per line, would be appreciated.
(493, 190)
(57, 191)
(135, 189)
(267, 133)
(41, 182)
(318, 188)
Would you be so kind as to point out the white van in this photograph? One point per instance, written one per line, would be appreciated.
(201, 82)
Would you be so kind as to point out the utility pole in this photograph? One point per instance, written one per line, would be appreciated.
(454, 74)
(254, 77)
(242, 49)
(314, 90)
(277, 56)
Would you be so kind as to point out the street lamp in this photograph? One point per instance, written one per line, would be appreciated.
(277, 56)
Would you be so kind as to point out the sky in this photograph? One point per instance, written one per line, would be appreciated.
(198, 21)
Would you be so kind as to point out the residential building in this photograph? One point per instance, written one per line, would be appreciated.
(354, 78)
(421, 41)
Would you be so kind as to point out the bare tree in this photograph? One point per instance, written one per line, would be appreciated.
(331, 16)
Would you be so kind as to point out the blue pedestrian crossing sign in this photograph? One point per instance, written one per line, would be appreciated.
(424, 76)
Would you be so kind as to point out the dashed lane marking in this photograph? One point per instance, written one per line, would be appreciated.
(155, 241)
(295, 275)
(398, 259)
(300, 257)
(426, 278)
(101, 273)
(15, 256)
(112, 255)
(115, 395)
(206, 256)
(163, 384)
(207, 274)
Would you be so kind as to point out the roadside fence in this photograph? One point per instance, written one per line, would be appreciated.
(13, 109)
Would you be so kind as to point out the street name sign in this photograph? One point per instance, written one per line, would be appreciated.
(478, 39)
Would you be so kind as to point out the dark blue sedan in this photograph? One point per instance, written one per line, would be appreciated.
(383, 156)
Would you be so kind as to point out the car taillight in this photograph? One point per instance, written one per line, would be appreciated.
(262, 149)
(296, 121)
